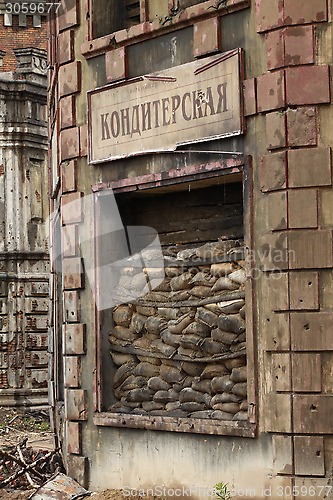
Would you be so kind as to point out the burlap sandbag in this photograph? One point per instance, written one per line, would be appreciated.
(122, 373)
(206, 317)
(221, 269)
(146, 370)
(235, 363)
(203, 279)
(178, 325)
(210, 346)
(222, 384)
(240, 389)
(155, 324)
(181, 282)
(150, 359)
(231, 306)
(139, 395)
(239, 374)
(122, 333)
(244, 405)
(224, 397)
(170, 338)
(146, 310)
(241, 415)
(169, 312)
(122, 315)
(159, 346)
(137, 322)
(238, 276)
(232, 323)
(173, 405)
(192, 406)
(202, 414)
(158, 384)
(133, 382)
(221, 415)
(200, 291)
(223, 336)
(190, 341)
(152, 405)
(165, 396)
(224, 283)
(204, 386)
(197, 328)
(188, 394)
(119, 358)
(214, 370)
(227, 407)
(194, 369)
(170, 374)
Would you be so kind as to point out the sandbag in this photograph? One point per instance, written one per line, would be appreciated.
(155, 324)
(168, 312)
(238, 276)
(194, 369)
(221, 415)
(202, 385)
(122, 333)
(231, 306)
(139, 395)
(239, 374)
(170, 374)
(151, 406)
(241, 415)
(224, 337)
(214, 370)
(158, 384)
(181, 282)
(178, 325)
(224, 283)
(222, 384)
(206, 317)
(146, 310)
(233, 323)
(197, 328)
(221, 269)
(190, 341)
(146, 370)
(122, 373)
(122, 315)
(165, 349)
(119, 358)
(170, 338)
(224, 397)
(137, 322)
(200, 291)
(192, 406)
(240, 389)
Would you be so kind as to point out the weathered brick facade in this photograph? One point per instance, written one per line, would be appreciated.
(288, 112)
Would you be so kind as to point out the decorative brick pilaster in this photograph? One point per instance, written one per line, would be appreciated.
(296, 168)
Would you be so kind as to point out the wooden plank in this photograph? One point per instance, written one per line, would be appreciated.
(200, 426)
(307, 376)
(309, 455)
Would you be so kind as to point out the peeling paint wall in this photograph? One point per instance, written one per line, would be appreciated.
(24, 261)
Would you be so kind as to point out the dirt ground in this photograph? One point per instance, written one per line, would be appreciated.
(16, 426)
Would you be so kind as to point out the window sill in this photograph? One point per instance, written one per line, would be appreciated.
(192, 425)
(146, 30)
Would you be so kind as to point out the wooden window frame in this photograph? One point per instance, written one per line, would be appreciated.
(148, 29)
(233, 166)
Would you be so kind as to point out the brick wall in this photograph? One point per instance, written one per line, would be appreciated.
(16, 37)
(296, 183)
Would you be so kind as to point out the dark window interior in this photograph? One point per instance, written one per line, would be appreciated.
(111, 15)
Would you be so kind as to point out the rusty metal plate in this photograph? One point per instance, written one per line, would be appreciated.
(194, 102)
(60, 487)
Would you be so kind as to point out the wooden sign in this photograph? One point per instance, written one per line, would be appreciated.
(194, 102)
